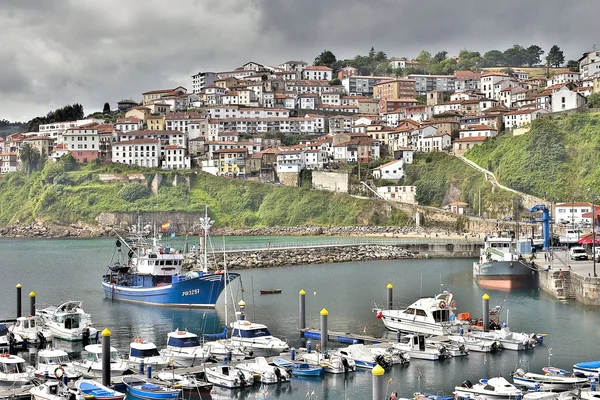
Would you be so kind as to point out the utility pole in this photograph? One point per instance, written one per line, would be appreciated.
(479, 207)
(594, 232)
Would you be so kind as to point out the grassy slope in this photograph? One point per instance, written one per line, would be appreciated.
(232, 203)
(558, 159)
(441, 179)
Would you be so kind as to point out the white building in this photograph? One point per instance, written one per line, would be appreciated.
(317, 73)
(290, 161)
(563, 77)
(565, 99)
(477, 131)
(129, 124)
(175, 157)
(295, 66)
(404, 194)
(201, 80)
(437, 142)
(589, 64)
(487, 82)
(142, 152)
(392, 171)
(572, 212)
(521, 118)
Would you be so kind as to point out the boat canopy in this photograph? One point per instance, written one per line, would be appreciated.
(143, 353)
(250, 333)
(183, 342)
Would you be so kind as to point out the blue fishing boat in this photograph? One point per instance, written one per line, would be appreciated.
(97, 391)
(299, 369)
(587, 368)
(152, 274)
(139, 388)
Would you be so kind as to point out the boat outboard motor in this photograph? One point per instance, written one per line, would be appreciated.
(85, 336)
(242, 378)
(495, 347)
(345, 364)
(467, 384)
(11, 341)
(462, 349)
(41, 340)
(278, 374)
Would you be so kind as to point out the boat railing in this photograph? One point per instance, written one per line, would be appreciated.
(377, 306)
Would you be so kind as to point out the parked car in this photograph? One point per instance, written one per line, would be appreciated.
(507, 219)
(578, 253)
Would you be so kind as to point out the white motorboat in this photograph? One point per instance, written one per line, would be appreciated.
(363, 358)
(68, 321)
(228, 376)
(55, 363)
(508, 340)
(331, 362)
(265, 373)
(54, 390)
(472, 343)
(429, 316)
(91, 366)
(223, 350)
(91, 389)
(13, 371)
(387, 351)
(257, 339)
(184, 348)
(146, 352)
(32, 329)
(9, 339)
(183, 381)
(416, 347)
(494, 388)
(554, 383)
(579, 394)
(587, 368)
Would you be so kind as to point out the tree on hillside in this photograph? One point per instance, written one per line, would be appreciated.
(424, 60)
(335, 82)
(106, 109)
(594, 100)
(573, 66)
(67, 113)
(398, 72)
(380, 56)
(493, 58)
(556, 56)
(533, 55)
(372, 52)
(446, 67)
(30, 156)
(440, 56)
(468, 60)
(326, 58)
(515, 56)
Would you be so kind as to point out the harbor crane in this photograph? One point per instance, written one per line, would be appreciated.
(545, 222)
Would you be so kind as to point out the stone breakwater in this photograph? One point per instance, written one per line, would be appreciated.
(319, 230)
(43, 230)
(322, 255)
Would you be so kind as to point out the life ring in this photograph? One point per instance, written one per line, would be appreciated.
(442, 304)
(246, 323)
(453, 304)
(180, 332)
(139, 340)
(62, 372)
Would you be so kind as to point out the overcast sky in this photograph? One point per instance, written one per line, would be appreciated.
(58, 52)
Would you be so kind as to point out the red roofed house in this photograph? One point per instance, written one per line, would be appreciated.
(459, 207)
(83, 142)
(462, 145)
(392, 171)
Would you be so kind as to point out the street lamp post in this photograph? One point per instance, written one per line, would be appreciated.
(594, 233)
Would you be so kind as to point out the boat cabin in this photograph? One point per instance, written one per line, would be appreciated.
(94, 353)
(249, 330)
(28, 323)
(414, 341)
(143, 350)
(12, 364)
(69, 321)
(159, 263)
(53, 357)
(182, 339)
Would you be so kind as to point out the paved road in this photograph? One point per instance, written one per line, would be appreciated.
(562, 261)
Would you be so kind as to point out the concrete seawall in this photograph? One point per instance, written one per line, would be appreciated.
(300, 256)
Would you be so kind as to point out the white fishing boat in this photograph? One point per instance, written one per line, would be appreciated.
(68, 321)
(91, 366)
(554, 383)
(55, 363)
(184, 381)
(472, 343)
(429, 316)
(264, 372)
(228, 376)
(416, 347)
(494, 388)
(508, 340)
(32, 329)
(13, 372)
(185, 349)
(54, 390)
(9, 340)
(146, 352)
(224, 350)
(257, 339)
(580, 394)
(331, 362)
(363, 358)
(383, 349)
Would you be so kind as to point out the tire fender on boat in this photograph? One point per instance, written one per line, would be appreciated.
(442, 304)
(59, 372)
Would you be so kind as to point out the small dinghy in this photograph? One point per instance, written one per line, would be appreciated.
(554, 383)
(228, 376)
(32, 329)
(587, 368)
(97, 390)
(363, 357)
(184, 382)
(140, 388)
(266, 373)
(332, 363)
(299, 368)
(270, 291)
(54, 390)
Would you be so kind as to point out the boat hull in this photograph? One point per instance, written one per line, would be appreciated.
(505, 275)
(199, 292)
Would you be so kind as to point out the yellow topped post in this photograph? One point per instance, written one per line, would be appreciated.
(301, 309)
(18, 286)
(105, 332)
(485, 296)
(389, 286)
(324, 330)
(32, 303)
(18, 299)
(378, 370)
(390, 296)
(32, 294)
(486, 311)
(302, 292)
(324, 312)
(242, 303)
(378, 382)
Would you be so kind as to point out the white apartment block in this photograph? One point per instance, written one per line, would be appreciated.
(404, 194)
(175, 157)
(317, 73)
(202, 80)
(487, 82)
(142, 152)
(129, 124)
(166, 137)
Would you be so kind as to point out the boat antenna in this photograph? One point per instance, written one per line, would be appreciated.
(225, 276)
(206, 223)
(421, 290)
(484, 367)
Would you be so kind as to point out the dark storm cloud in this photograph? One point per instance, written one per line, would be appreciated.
(60, 52)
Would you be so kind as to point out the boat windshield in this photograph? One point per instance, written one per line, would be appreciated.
(144, 353)
(57, 360)
(252, 333)
(183, 342)
(93, 357)
(441, 315)
(13, 368)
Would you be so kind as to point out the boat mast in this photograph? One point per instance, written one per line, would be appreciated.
(205, 224)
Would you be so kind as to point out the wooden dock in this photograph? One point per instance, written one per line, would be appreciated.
(342, 337)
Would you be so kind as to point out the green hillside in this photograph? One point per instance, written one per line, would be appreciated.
(64, 193)
(441, 179)
(557, 159)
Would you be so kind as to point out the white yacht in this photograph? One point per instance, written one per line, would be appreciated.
(363, 357)
(265, 372)
(228, 376)
(416, 347)
(496, 388)
(13, 372)
(91, 366)
(257, 339)
(140, 350)
(68, 321)
(184, 348)
(429, 315)
(332, 363)
(385, 350)
(32, 329)
(55, 363)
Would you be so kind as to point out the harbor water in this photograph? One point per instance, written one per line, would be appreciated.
(63, 269)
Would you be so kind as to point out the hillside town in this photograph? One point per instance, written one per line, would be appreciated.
(231, 123)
